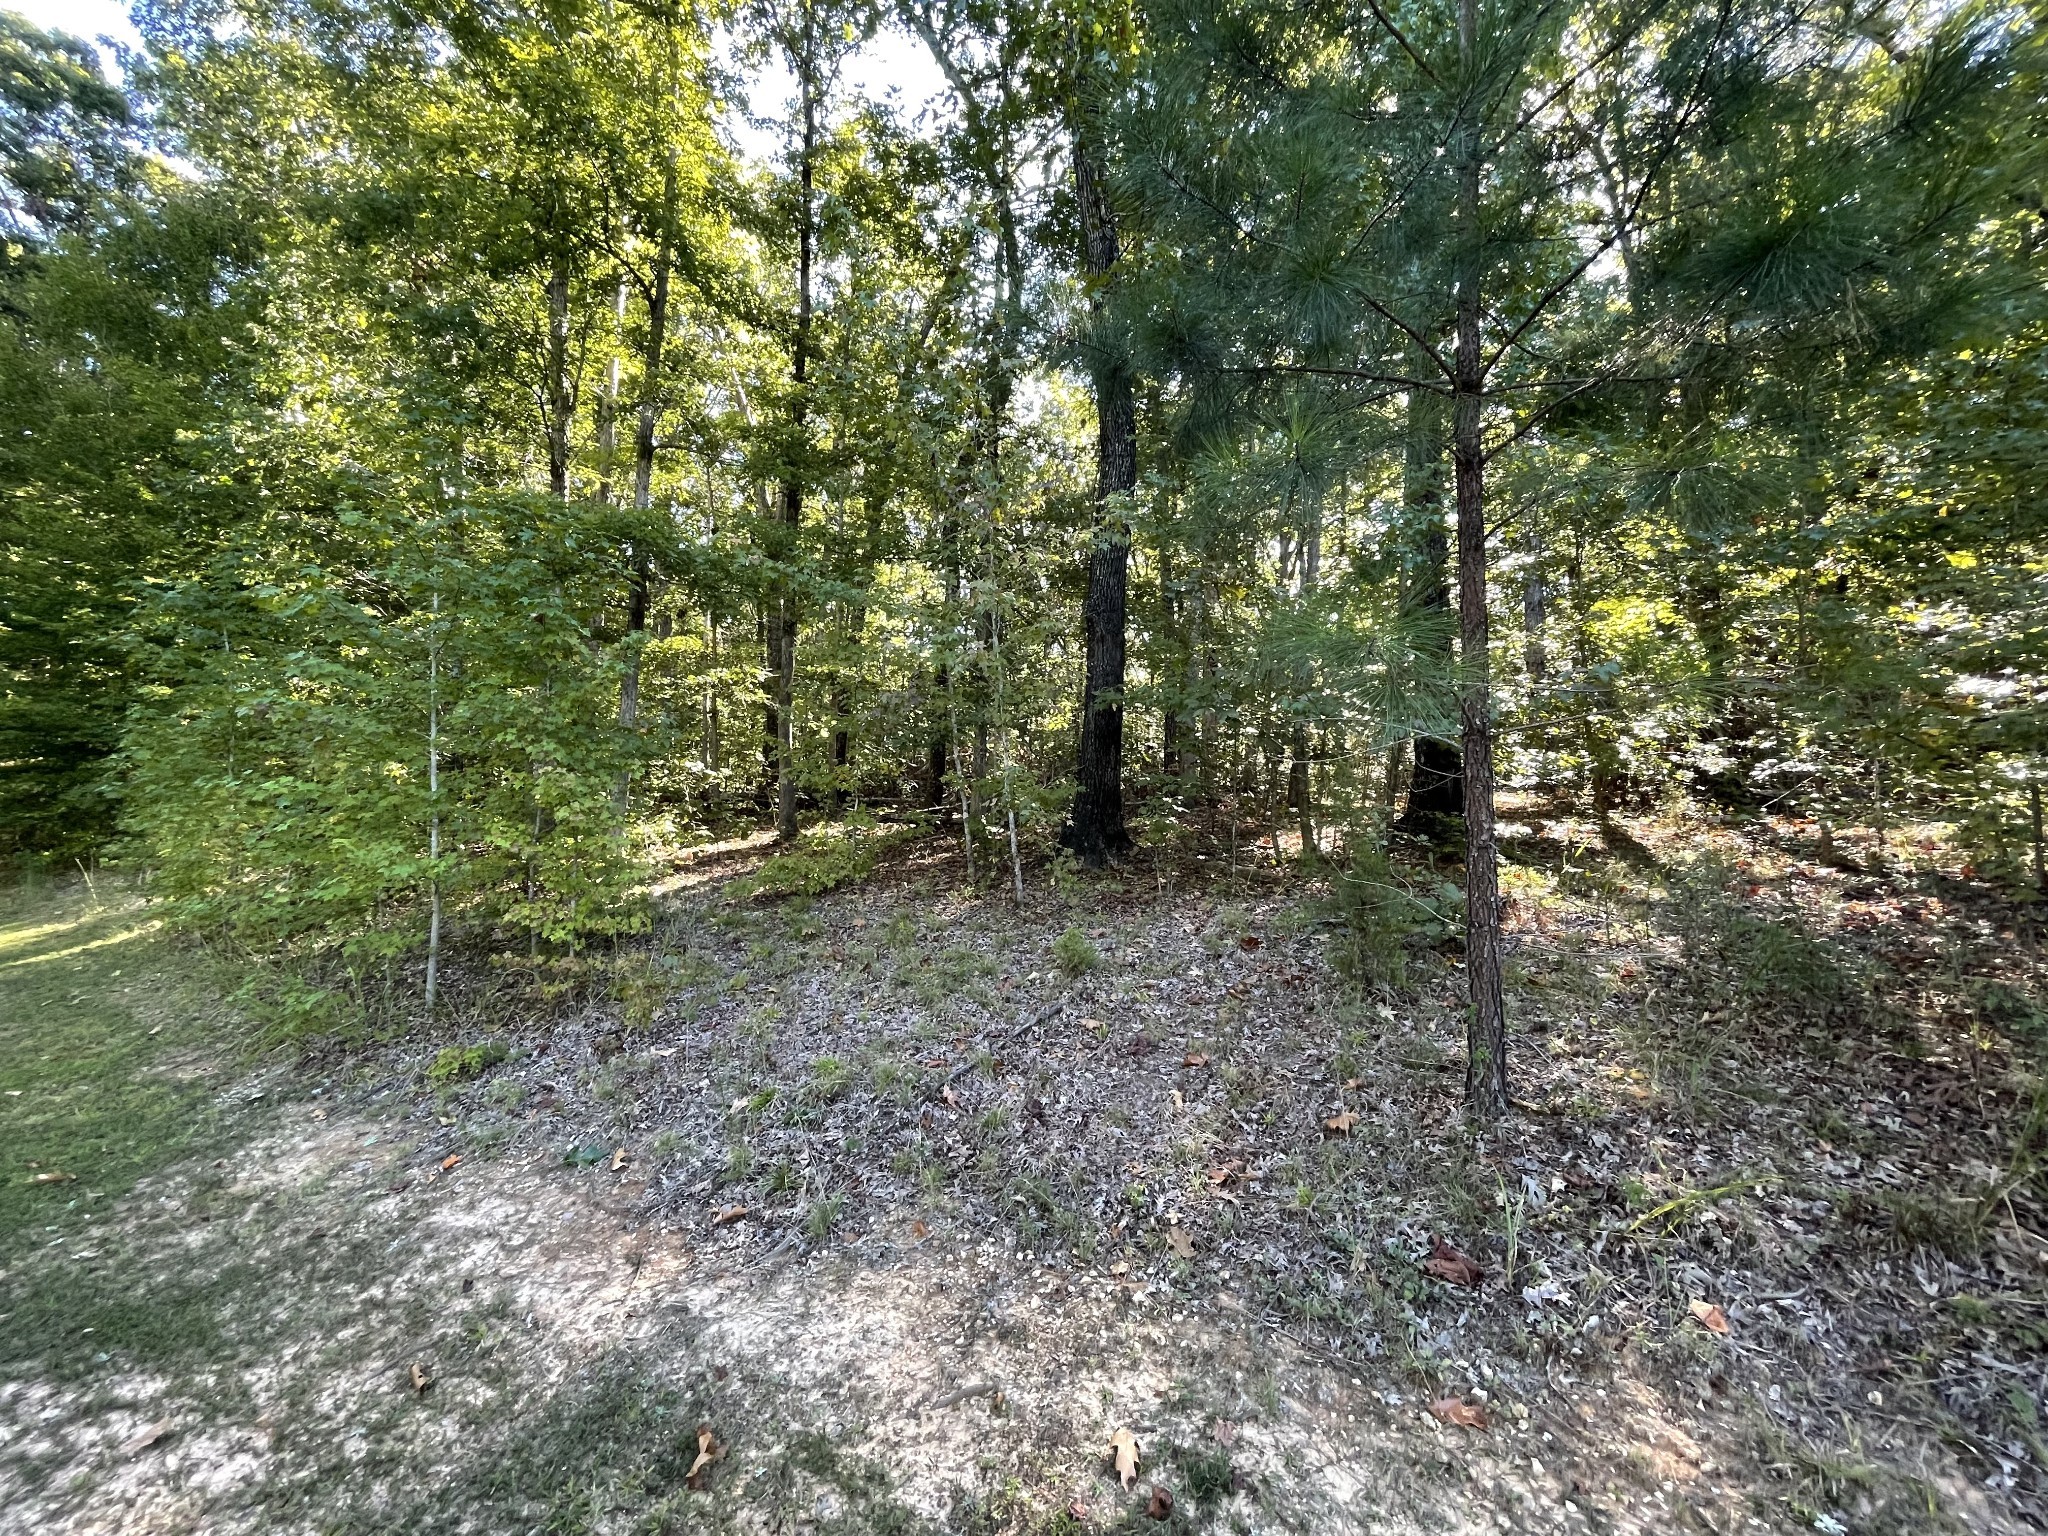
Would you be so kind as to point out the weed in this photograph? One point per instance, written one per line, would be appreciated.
(830, 1079)
(459, 1063)
(823, 1215)
(1074, 954)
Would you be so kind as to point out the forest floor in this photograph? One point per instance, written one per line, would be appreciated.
(889, 1211)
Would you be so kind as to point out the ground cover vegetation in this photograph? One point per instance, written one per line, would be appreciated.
(1318, 727)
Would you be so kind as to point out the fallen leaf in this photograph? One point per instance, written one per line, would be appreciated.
(1123, 1445)
(147, 1438)
(1340, 1123)
(1195, 1059)
(53, 1177)
(1160, 1505)
(727, 1214)
(1225, 1432)
(919, 1230)
(708, 1451)
(448, 1163)
(618, 1159)
(950, 1096)
(1455, 1410)
(1180, 1242)
(1250, 941)
(420, 1379)
(1078, 1511)
(1095, 1024)
(1711, 1317)
(1446, 1263)
(1353, 1084)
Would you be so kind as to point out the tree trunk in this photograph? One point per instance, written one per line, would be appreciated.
(1095, 823)
(649, 411)
(1436, 788)
(561, 399)
(1486, 1078)
(785, 616)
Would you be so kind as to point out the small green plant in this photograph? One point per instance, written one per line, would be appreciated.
(823, 1215)
(507, 1093)
(739, 1162)
(830, 1079)
(459, 1063)
(824, 859)
(1208, 1474)
(781, 1177)
(1074, 954)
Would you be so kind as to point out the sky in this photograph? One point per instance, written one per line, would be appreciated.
(81, 18)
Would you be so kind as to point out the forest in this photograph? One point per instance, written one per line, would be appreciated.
(526, 522)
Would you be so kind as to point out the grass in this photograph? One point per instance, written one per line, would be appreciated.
(93, 1096)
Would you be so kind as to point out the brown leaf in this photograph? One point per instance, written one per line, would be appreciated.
(1250, 941)
(148, 1437)
(1160, 1505)
(1178, 1240)
(1195, 1059)
(54, 1177)
(1711, 1317)
(1340, 1123)
(1123, 1445)
(1446, 1263)
(1353, 1084)
(950, 1096)
(448, 1163)
(420, 1379)
(1224, 1431)
(1455, 1410)
(618, 1159)
(727, 1214)
(919, 1230)
(708, 1451)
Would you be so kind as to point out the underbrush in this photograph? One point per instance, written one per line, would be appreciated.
(1756, 966)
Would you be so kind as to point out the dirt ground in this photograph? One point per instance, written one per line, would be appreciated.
(891, 1210)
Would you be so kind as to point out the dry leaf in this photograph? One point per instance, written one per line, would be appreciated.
(919, 1230)
(730, 1213)
(950, 1096)
(147, 1438)
(1160, 1505)
(1711, 1317)
(1353, 1084)
(1195, 1059)
(1455, 1410)
(708, 1451)
(420, 1379)
(618, 1159)
(1446, 1263)
(1250, 941)
(1123, 1445)
(1180, 1242)
(1340, 1123)
(1095, 1024)
(1224, 1431)
(53, 1177)
(448, 1163)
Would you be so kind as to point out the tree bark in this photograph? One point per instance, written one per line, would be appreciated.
(1486, 1078)
(561, 399)
(1095, 829)
(1436, 787)
(648, 413)
(792, 500)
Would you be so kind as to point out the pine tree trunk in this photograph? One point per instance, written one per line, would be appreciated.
(1095, 829)
(1436, 788)
(1486, 1079)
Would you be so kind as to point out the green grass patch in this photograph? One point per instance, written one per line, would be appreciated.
(94, 1095)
